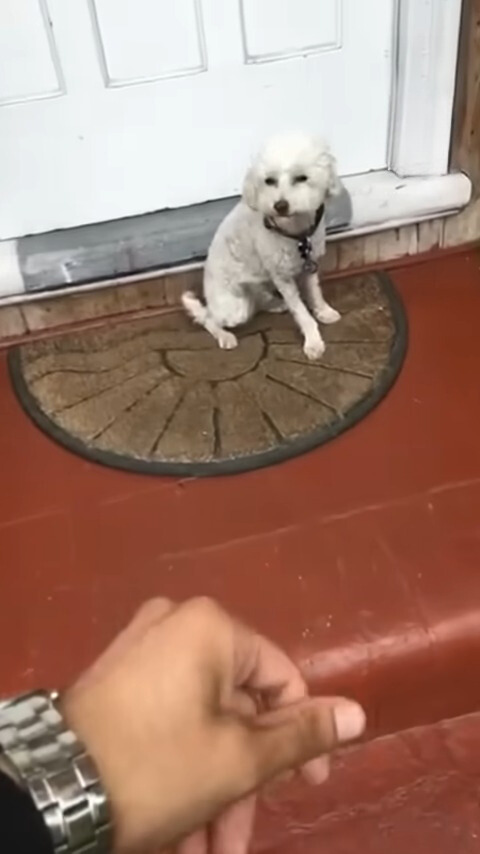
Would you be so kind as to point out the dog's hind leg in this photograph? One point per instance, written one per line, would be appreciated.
(270, 301)
(200, 314)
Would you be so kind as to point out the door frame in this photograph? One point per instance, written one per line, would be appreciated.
(426, 38)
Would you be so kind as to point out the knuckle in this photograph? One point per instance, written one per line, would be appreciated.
(153, 610)
(204, 610)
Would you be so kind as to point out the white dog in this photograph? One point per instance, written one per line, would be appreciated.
(264, 254)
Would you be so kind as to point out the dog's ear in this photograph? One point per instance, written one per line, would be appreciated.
(250, 188)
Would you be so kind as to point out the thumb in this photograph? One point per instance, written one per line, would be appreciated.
(290, 737)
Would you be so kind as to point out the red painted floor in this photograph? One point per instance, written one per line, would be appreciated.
(362, 558)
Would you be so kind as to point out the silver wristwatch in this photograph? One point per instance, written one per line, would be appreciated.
(49, 762)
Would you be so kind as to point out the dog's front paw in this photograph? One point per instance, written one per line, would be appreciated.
(314, 349)
(227, 340)
(327, 315)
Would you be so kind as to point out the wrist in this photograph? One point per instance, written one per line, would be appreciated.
(117, 769)
(9, 770)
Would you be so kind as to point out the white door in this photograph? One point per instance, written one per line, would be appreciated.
(111, 108)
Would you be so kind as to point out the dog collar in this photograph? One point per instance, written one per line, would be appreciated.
(304, 239)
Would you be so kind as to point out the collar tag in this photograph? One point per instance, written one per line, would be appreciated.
(305, 249)
(304, 242)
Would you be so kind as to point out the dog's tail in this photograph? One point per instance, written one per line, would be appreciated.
(195, 308)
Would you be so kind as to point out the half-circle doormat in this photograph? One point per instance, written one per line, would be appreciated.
(158, 396)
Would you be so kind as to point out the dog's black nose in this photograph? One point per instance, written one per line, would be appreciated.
(282, 207)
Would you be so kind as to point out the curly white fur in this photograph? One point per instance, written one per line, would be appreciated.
(251, 268)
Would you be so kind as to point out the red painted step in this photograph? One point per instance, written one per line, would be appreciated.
(412, 793)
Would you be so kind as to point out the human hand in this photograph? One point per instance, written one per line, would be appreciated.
(186, 715)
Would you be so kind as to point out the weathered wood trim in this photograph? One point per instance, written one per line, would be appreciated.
(465, 150)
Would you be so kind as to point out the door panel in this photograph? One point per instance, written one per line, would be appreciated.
(300, 27)
(145, 40)
(28, 60)
(138, 105)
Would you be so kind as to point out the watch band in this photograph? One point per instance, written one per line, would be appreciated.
(54, 768)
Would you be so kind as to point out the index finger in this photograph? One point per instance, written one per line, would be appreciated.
(263, 667)
(260, 665)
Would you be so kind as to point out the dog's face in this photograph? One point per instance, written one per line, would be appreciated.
(292, 175)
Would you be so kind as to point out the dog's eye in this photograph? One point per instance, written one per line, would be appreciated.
(270, 182)
(300, 179)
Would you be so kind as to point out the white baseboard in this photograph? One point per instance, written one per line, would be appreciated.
(379, 201)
